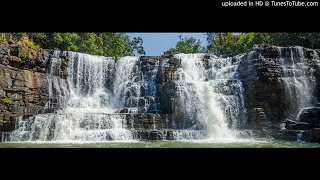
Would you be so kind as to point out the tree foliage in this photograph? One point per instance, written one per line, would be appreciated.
(310, 40)
(188, 45)
(106, 44)
(236, 43)
(120, 44)
(8, 37)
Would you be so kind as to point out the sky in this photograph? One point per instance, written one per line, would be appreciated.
(155, 44)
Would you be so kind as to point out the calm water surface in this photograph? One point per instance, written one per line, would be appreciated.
(244, 143)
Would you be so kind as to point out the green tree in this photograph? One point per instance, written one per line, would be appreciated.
(136, 45)
(113, 45)
(90, 43)
(18, 36)
(310, 40)
(188, 45)
(107, 44)
(234, 43)
(214, 41)
(132, 46)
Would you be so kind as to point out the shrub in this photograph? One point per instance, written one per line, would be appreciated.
(23, 56)
(7, 100)
(31, 44)
(3, 40)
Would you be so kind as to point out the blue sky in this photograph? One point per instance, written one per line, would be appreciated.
(155, 44)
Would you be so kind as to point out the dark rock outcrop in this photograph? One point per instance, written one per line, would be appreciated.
(262, 71)
(299, 126)
(311, 116)
(308, 123)
(166, 86)
(313, 135)
(23, 80)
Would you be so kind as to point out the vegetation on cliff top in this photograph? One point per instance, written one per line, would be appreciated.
(188, 45)
(120, 44)
(106, 44)
(236, 43)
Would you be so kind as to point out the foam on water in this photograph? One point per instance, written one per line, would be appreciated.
(210, 94)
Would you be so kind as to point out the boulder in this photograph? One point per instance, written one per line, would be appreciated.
(310, 115)
(299, 126)
(313, 135)
(4, 50)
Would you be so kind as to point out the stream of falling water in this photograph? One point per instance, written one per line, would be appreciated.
(87, 113)
(102, 93)
(297, 87)
(210, 94)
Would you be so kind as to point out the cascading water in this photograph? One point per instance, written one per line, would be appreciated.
(100, 99)
(135, 86)
(58, 88)
(210, 94)
(296, 82)
(89, 112)
(126, 88)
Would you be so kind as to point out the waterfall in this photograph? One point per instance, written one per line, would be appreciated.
(102, 100)
(295, 80)
(88, 77)
(58, 88)
(88, 112)
(210, 94)
(135, 86)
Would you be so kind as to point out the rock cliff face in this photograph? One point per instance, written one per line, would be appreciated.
(36, 83)
(279, 82)
(272, 85)
(23, 80)
(308, 123)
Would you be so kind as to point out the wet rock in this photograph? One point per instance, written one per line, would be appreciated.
(310, 115)
(299, 126)
(268, 51)
(33, 54)
(4, 50)
(289, 122)
(4, 59)
(142, 102)
(125, 110)
(17, 108)
(43, 58)
(169, 135)
(15, 61)
(168, 54)
(7, 121)
(166, 95)
(155, 135)
(23, 78)
(175, 62)
(2, 93)
(257, 115)
(15, 96)
(261, 72)
(313, 135)
(287, 135)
